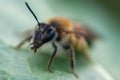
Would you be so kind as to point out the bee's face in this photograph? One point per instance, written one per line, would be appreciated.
(42, 34)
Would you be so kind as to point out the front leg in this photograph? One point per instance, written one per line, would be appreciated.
(52, 57)
(28, 38)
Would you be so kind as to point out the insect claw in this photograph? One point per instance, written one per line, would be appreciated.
(50, 70)
(75, 74)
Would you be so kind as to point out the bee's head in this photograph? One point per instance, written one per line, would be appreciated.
(43, 33)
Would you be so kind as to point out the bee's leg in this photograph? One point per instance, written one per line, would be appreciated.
(28, 38)
(52, 57)
(72, 58)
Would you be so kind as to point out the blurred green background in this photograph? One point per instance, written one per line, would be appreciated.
(102, 16)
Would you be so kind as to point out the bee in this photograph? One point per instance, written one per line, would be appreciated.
(70, 35)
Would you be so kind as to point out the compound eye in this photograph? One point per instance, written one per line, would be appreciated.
(51, 35)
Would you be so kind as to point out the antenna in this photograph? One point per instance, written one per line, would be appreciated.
(32, 12)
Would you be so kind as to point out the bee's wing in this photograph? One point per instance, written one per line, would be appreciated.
(80, 30)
